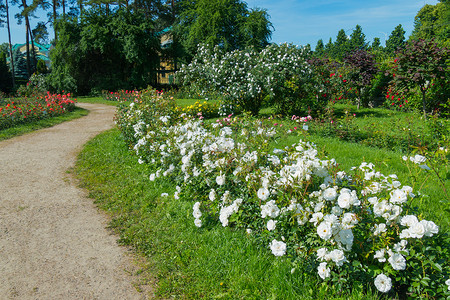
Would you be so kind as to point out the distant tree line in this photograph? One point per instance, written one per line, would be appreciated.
(105, 44)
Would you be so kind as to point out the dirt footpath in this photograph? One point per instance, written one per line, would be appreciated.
(53, 241)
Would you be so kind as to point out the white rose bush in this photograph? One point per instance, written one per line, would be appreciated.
(246, 78)
(345, 227)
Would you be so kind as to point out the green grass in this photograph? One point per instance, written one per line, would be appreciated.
(190, 263)
(44, 123)
(96, 100)
(222, 263)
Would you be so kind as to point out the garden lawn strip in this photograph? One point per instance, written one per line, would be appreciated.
(53, 242)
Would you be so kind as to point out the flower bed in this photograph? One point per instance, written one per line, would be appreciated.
(347, 228)
(121, 96)
(25, 110)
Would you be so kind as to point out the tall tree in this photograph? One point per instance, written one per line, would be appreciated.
(89, 51)
(24, 14)
(357, 39)
(320, 48)
(396, 40)
(257, 29)
(432, 21)
(376, 44)
(341, 46)
(6, 15)
(226, 23)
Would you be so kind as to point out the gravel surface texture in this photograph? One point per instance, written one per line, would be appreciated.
(53, 241)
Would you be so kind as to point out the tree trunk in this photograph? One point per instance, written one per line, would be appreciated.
(11, 60)
(55, 3)
(27, 28)
(34, 61)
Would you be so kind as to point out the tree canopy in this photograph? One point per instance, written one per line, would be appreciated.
(226, 23)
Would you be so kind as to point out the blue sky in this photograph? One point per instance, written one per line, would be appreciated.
(304, 22)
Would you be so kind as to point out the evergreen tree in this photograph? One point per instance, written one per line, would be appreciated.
(341, 46)
(376, 44)
(396, 40)
(5, 74)
(20, 65)
(329, 48)
(320, 48)
(357, 39)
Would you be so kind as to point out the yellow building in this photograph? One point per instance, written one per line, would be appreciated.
(166, 71)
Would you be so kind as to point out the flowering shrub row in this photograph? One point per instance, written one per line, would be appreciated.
(345, 227)
(121, 96)
(30, 110)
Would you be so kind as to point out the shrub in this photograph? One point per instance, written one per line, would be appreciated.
(347, 227)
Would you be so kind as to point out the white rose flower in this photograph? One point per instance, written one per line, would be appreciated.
(323, 271)
(345, 199)
(324, 230)
(397, 261)
(337, 255)
(196, 210)
(164, 194)
(263, 193)
(379, 228)
(198, 222)
(270, 209)
(430, 227)
(316, 217)
(398, 197)
(322, 253)
(379, 254)
(417, 230)
(278, 248)
(329, 194)
(152, 177)
(408, 220)
(447, 282)
(220, 180)
(383, 283)
(271, 225)
(212, 195)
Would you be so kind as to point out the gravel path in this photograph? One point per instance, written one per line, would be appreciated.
(53, 241)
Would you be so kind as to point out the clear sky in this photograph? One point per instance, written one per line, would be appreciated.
(304, 22)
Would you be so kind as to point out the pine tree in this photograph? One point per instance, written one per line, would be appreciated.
(20, 65)
(396, 40)
(358, 39)
(341, 46)
(320, 48)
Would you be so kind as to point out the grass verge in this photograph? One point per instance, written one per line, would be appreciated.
(44, 123)
(189, 262)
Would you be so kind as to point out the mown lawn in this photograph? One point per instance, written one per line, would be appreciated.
(222, 263)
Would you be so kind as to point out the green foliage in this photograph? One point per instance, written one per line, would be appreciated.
(422, 65)
(361, 70)
(20, 65)
(91, 50)
(431, 22)
(5, 75)
(396, 40)
(246, 78)
(358, 39)
(224, 23)
(234, 185)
